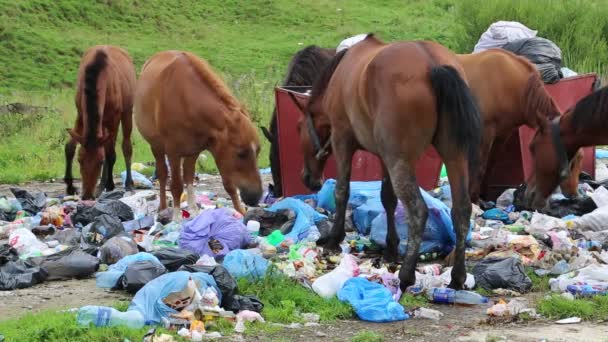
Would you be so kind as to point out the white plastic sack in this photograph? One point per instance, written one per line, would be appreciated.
(329, 284)
(601, 172)
(596, 220)
(600, 197)
(501, 33)
(25, 242)
(143, 203)
(348, 42)
(541, 224)
(591, 275)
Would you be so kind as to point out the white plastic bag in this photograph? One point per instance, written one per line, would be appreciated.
(329, 284)
(502, 32)
(600, 197)
(25, 242)
(349, 42)
(596, 220)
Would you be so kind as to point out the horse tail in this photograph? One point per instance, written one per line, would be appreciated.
(91, 76)
(537, 101)
(456, 104)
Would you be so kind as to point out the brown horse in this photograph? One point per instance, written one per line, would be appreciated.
(182, 108)
(394, 100)
(104, 99)
(303, 69)
(556, 144)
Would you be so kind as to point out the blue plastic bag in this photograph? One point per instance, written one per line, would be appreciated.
(601, 154)
(242, 264)
(218, 224)
(109, 278)
(438, 236)
(306, 217)
(149, 299)
(139, 181)
(371, 301)
(496, 214)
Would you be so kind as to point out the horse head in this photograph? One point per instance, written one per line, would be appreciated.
(235, 152)
(550, 164)
(91, 157)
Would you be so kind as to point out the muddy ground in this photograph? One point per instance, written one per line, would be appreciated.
(458, 323)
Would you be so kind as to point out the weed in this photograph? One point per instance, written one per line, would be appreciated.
(558, 307)
(368, 336)
(410, 301)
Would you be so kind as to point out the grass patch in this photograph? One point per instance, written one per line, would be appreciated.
(285, 300)
(368, 336)
(410, 301)
(558, 307)
(539, 283)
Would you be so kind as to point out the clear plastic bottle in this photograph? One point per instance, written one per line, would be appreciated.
(451, 296)
(102, 316)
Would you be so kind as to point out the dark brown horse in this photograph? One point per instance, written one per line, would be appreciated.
(303, 69)
(104, 99)
(182, 108)
(555, 144)
(394, 100)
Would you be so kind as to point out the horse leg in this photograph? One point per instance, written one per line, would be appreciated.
(110, 160)
(475, 183)
(127, 147)
(161, 173)
(70, 151)
(403, 177)
(343, 148)
(177, 186)
(389, 202)
(189, 168)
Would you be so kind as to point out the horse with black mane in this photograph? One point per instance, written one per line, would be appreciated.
(556, 143)
(303, 69)
(104, 100)
(394, 100)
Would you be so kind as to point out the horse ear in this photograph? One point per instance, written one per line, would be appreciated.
(75, 136)
(267, 134)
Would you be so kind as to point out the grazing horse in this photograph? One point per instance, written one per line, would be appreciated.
(394, 100)
(303, 69)
(182, 108)
(510, 93)
(104, 99)
(555, 144)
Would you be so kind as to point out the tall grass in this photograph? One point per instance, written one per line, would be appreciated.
(578, 27)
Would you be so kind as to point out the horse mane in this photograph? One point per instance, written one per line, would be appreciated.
(536, 99)
(306, 64)
(91, 76)
(214, 81)
(591, 111)
(320, 84)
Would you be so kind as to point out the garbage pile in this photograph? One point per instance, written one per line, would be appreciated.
(183, 275)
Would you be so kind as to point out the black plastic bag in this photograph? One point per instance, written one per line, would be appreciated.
(103, 228)
(270, 221)
(7, 253)
(574, 206)
(174, 258)
(68, 264)
(112, 196)
(19, 275)
(225, 282)
(117, 248)
(68, 237)
(139, 274)
(546, 56)
(87, 214)
(239, 303)
(32, 204)
(505, 273)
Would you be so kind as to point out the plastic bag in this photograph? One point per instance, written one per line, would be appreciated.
(139, 181)
(103, 228)
(174, 258)
(505, 199)
(371, 301)
(506, 273)
(349, 42)
(282, 220)
(594, 221)
(139, 274)
(69, 264)
(225, 282)
(242, 264)
(116, 248)
(15, 273)
(546, 56)
(25, 242)
(219, 225)
(306, 217)
(32, 204)
(143, 203)
(117, 209)
(438, 236)
(109, 278)
(501, 33)
(149, 299)
(329, 284)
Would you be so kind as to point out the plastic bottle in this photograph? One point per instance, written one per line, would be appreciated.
(587, 290)
(253, 228)
(451, 296)
(560, 267)
(102, 316)
(428, 313)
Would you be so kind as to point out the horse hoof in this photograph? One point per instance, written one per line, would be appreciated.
(456, 285)
(390, 258)
(129, 188)
(332, 248)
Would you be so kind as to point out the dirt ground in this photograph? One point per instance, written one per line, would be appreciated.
(458, 323)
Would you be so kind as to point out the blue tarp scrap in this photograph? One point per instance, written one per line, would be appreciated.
(306, 217)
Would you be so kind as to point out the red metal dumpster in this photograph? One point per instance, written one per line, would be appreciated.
(365, 166)
(511, 164)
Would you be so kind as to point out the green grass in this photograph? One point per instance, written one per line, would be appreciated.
(558, 307)
(249, 43)
(285, 300)
(410, 301)
(539, 284)
(368, 336)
